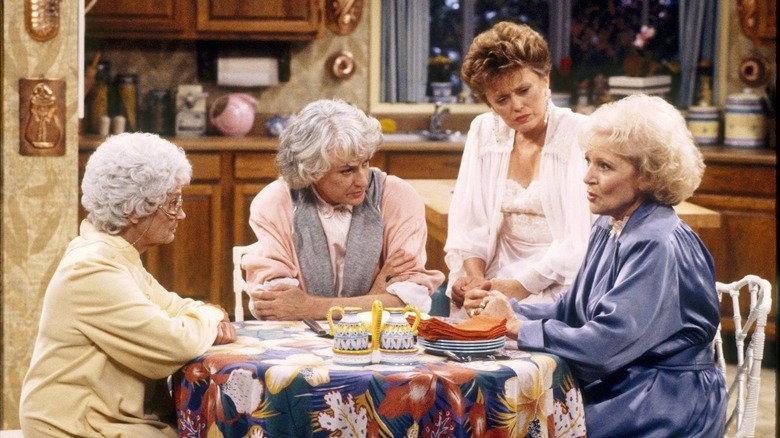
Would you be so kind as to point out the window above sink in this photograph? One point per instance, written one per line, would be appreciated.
(559, 36)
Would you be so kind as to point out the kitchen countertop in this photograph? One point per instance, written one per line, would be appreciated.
(264, 143)
(763, 156)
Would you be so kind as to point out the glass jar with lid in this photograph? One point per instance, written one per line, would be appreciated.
(159, 112)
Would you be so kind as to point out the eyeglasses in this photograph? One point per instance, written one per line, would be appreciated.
(173, 208)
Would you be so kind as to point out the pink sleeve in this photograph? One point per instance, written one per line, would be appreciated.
(270, 216)
(405, 229)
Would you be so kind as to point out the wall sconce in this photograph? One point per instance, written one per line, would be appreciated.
(42, 18)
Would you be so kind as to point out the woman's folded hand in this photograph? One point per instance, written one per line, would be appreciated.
(226, 333)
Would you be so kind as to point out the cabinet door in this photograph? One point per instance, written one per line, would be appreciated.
(117, 18)
(304, 17)
(744, 193)
(422, 164)
(252, 172)
(192, 265)
(243, 196)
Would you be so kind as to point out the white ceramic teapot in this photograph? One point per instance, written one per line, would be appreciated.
(394, 337)
(233, 114)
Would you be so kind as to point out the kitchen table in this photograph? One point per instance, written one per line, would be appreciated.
(279, 380)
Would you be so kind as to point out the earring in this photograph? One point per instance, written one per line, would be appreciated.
(548, 96)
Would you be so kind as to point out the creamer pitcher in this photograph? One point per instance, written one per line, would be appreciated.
(350, 337)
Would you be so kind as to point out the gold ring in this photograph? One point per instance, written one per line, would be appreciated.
(473, 313)
(482, 305)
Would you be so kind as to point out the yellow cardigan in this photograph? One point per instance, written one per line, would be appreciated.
(108, 338)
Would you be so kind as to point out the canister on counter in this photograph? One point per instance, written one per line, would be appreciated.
(159, 112)
(126, 87)
(704, 124)
(745, 121)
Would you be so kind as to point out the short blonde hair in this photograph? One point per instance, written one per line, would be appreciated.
(504, 48)
(653, 136)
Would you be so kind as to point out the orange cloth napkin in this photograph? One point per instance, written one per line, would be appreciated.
(478, 328)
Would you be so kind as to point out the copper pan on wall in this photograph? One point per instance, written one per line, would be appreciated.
(343, 16)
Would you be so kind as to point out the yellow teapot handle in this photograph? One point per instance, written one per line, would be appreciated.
(376, 323)
(329, 317)
(411, 308)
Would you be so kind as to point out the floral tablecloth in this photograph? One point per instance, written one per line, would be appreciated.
(279, 380)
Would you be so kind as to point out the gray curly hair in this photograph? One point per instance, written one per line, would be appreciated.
(653, 136)
(131, 173)
(322, 131)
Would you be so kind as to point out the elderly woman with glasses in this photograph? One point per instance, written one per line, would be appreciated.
(109, 333)
(333, 231)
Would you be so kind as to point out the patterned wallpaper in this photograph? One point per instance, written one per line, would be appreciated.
(39, 214)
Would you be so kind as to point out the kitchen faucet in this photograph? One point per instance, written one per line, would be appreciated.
(437, 117)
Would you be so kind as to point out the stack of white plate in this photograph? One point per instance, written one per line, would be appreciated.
(462, 347)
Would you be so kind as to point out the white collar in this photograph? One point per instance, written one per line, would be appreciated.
(327, 210)
(617, 226)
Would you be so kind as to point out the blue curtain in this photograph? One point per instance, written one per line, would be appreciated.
(405, 35)
(697, 31)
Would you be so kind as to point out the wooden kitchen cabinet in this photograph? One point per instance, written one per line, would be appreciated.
(419, 164)
(251, 172)
(741, 184)
(300, 17)
(192, 265)
(118, 18)
(277, 20)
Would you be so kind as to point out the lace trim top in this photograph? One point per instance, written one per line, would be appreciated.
(524, 219)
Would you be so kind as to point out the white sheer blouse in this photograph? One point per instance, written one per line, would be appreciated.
(476, 217)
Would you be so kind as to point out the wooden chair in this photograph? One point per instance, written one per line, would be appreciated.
(747, 379)
(239, 283)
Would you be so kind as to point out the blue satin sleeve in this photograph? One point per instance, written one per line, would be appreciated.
(636, 299)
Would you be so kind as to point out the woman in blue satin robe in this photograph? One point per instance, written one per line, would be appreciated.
(637, 325)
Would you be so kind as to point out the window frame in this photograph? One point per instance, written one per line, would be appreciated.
(376, 106)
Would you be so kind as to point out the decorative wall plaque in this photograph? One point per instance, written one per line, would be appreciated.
(343, 16)
(42, 18)
(42, 117)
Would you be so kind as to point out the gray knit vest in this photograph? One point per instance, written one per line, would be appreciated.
(364, 242)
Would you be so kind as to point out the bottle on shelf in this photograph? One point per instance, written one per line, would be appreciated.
(98, 100)
(126, 90)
